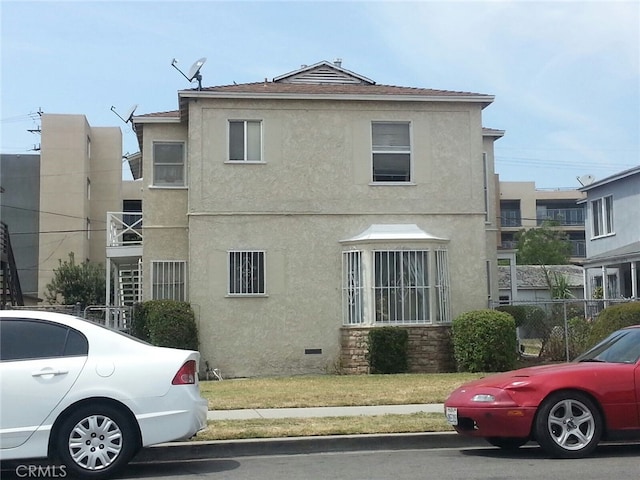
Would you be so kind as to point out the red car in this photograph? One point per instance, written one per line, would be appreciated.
(566, 408)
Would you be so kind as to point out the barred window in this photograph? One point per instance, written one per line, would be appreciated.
(168, 280)
(246, 273)
(401, 286)
(352, 287)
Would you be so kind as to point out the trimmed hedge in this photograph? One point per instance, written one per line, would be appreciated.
(166, 323)
(614, 318)
(485, 341)
(388, 350)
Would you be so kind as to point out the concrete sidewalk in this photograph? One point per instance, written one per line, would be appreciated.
(315, 412)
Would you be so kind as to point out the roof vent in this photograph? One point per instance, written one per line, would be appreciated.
(338, 62)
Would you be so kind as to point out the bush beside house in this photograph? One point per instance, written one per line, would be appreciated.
(485, 341)
(166, 323)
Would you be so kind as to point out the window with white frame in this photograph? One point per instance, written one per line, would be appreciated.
(169, 164)
(168, 280)
(403, 287)
(352, 287)
(391, 151)
(245, 141)
(246, 273)
(602, 216)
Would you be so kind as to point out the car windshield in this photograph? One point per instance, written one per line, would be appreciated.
(622, 346)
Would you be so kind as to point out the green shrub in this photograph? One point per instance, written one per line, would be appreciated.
(614, 318)
(388, 350)
(484, 341)
(138, 327)
(169, 323)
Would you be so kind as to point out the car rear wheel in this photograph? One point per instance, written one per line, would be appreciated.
(507, 443)
(568, 425)
(95, 442)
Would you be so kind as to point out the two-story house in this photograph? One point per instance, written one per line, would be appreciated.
(613, 236)
(297, 213)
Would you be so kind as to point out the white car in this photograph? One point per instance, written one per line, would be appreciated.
(89, 397)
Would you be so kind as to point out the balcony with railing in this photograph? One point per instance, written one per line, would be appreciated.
(510, 218)
(124, 235)
(566, 217)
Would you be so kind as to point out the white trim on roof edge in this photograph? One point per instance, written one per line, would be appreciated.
(380, 232)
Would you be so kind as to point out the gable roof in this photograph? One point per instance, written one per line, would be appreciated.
(323, 72)
(612, 178)
(320, 81)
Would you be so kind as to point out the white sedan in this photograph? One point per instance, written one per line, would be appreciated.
(89, 397)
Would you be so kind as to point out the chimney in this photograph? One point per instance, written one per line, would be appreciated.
(338, 62)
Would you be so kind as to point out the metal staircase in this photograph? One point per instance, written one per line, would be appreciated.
(11, 293)
(130, 284)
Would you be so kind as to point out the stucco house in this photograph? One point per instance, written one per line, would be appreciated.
(613, 236)
(295, 214)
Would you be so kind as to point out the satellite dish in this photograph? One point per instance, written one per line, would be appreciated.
(128, 116)
(586, 179)
(194, 71)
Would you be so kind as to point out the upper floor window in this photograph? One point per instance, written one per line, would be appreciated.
(245, 141)
(246, 273)
(168, 164)
(168, 280)
(602, 216)
(391, 151)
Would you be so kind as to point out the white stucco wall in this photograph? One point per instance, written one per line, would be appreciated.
(312, 190)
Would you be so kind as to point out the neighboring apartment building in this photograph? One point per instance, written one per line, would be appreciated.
(295, 214)
(613, 236)
(19, 218)
(523, 206)
(56, 203)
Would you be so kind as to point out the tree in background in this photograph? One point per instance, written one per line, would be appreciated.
(544, 245)
(73, 283)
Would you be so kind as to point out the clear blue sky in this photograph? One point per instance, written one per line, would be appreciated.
(565, 74)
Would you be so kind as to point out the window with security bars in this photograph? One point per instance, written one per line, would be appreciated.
(246, 273)
(443, 302)
(245, 141)
(401, 286)
(168, 280)
(352, 287)
(391, 151)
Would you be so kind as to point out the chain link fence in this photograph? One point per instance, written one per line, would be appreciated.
(554, 330)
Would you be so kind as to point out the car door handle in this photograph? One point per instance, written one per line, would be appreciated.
(44, 373)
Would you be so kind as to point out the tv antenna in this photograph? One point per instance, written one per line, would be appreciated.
(194, 71)
(128, 117)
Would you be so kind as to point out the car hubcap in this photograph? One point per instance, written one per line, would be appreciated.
(95, 442)
(571, 424)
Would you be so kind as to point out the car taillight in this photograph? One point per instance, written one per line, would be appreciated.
(186, 375)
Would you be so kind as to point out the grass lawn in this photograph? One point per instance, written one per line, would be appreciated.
(325, 391)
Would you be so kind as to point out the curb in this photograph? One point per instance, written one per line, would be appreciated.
(179, 451)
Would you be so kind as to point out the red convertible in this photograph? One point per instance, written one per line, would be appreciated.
(566, 408)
